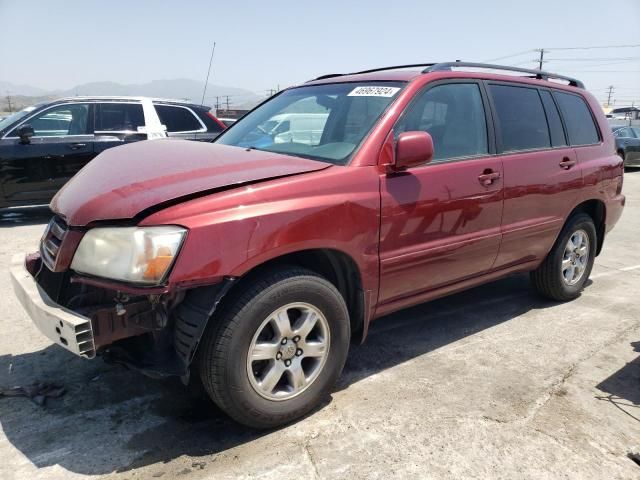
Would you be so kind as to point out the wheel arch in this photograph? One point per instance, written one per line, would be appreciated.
(336, 266)
(597, 210)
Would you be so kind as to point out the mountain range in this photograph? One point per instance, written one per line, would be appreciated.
(180, 88)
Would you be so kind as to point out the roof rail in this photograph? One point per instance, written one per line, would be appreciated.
(539, 74)
(372, 70)
(447, 66)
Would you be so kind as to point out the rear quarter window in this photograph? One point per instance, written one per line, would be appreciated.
(581, 128)
(553, 118)
(521, 117)
(177, 119)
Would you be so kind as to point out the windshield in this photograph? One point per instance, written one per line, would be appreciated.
(14, 117)
(321, 122)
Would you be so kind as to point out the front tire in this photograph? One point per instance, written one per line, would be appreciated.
(277, 347)
(566, 269)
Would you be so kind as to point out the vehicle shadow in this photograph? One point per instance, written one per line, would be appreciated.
(24, 216)
(623, 387)
(112, 419)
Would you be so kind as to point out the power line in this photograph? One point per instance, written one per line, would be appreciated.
(561, 48)
(594, 47)
(604, 71)
(508, 56)
(603, 59)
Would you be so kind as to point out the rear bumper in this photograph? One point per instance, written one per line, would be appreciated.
(615, 207)
(60, 325)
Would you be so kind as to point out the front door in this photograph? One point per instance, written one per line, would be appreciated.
(62, 144)
(441, 221)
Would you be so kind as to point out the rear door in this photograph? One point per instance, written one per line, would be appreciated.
(542, 178)
(117, 123)
(62, 144)
(441, 222)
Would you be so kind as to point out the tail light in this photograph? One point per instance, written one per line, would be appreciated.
(620, 182)
(213, 117)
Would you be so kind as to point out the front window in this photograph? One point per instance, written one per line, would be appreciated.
(624, 133)
(60, 121)
(321, 122)
(14, 117)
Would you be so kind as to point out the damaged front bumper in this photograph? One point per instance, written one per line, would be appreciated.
(157, 335)
(64, 327)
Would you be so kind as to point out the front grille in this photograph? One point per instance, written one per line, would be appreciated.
(51, 242)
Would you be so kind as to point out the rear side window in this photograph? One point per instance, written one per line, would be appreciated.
(578, 119)
(119, 117)
(553, 119)
(453, 115)
(177, 119)
(523, 124)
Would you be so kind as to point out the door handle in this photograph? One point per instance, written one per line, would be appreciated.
(488, 177)
(76, 146)
(567, 163)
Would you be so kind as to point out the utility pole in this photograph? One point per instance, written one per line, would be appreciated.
(227, 102)
(541, 60)
(609, 95)
(217, 103)
(9, 103)
(208, 72)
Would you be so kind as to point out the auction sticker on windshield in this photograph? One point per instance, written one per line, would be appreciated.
(373, 91)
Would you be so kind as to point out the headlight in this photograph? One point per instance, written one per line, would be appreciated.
(130, 254)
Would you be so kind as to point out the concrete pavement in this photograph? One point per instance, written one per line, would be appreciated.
(491, 383)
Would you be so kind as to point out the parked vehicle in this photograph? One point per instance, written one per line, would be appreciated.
(252, 268)
(295, 127)
(628, 144)
(43, 146)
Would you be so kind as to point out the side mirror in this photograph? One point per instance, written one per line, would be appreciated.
(413, 149)
(25, 132)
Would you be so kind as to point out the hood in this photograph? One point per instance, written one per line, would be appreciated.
(122, 182)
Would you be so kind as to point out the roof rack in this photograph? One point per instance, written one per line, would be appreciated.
(539, 74)
(447, 66)
(371, 70)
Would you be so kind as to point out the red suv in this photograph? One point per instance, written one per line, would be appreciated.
(251, 263)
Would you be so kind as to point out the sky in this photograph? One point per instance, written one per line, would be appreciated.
(261, 45)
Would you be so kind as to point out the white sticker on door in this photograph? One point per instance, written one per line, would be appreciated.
(373, 91)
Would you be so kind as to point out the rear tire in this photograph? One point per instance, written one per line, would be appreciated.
(565, 271)
(272, 316)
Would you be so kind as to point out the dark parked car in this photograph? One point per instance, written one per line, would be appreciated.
(628, 144)
(43, 146)
(252, 266)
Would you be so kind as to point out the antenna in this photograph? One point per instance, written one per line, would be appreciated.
(208, 72)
